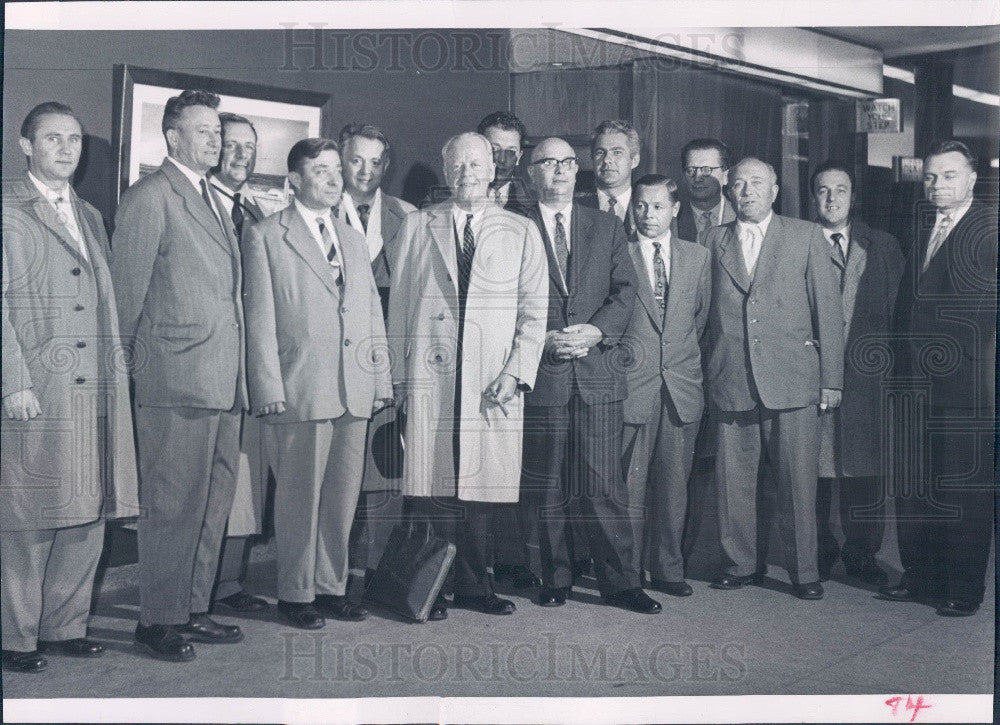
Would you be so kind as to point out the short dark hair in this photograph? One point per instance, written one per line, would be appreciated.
(830, 166)
(309, 148)
(658, 180)
(947, 146)
(364, 130)
(706, 144)
(176, 105)
(505, 120)
(618, 126)
(48, 108)
(227, 117)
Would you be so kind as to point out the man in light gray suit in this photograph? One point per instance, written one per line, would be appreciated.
(775, 363)
(177, 274)
(317, 370)
(665, 397)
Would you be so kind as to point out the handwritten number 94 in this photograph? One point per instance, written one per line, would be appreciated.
(916, 705)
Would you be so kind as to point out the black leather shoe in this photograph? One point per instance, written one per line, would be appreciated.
(898, 593)
(202, 628)
(866, 569)
(241, 601)
(339, 607)
(491, 604)
(80, 647)
(732, 581)
(164, 642)
(439, 611)
(674, 589)
(635, 600)
(957, 608)
(810, 590)
(301, 614)
(553, 596)
(520, 576)
(23, 661)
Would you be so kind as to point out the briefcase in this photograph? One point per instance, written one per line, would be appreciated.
(411, 572)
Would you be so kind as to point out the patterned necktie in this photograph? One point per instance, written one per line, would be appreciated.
(751, 247)
(837, 237)
(612, 201)
(660, 273)
(562, 248)
(938, 239)
(706, 223)
(468, 252)
(238, 216)
(363, 211)
(331, 249)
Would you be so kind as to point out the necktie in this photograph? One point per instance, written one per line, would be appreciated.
(363, 211)
(498, 195)
(660, 273)
(837, 237)
(238, 216)
(612, 209)
(208, 200)
(706, 223)
(751, 247)
(468, 252)
(938, 239)
(331, 249)
(562, 248)
(66, 217)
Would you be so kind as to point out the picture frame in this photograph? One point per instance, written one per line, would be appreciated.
(282, 115)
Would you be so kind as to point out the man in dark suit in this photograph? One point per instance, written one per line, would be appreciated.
(67, 461)
(665, 397)
(506, 134)
(615, 150)
(178, 279)
(945, 319)
(229, 182)
(867, 264)
(774, 363)
(705, 163)
(573, 417)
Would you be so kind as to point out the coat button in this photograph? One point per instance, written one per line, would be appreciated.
(78, 308)
(75, 271)
(440, 316)
(753, 320)
(347, 343)
(80, 381)
(756, 341)
(438, 358)
(343, 310)
(81, 343)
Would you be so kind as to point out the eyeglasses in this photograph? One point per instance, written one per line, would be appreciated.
(703, 170)
(549, 163)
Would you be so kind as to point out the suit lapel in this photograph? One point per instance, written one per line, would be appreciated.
(581, 244)
(731, 258)
(554, 274)
(46, 214)
(300, 239)
(391, 219)
(678, 274)
(646, 295)
(195, 205)
(770, 246)
(443, 231)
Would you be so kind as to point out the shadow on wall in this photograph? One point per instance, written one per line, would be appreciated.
(94, 176)
(419, 185)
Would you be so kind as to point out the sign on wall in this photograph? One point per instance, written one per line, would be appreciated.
(879, 115)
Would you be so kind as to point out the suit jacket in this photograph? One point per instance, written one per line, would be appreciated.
(520, 197)
(313, 344)
(178, 280)
(504, 332)
(394, 210)
(871, 278)
(60, 340)
(601, 291)
(946, 316)
(664, 350)
(778, 338)
(589, 199)
(685, 226)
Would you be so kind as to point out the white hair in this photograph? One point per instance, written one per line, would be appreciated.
(450, 144)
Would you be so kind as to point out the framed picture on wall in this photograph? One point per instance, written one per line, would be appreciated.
(282, 116)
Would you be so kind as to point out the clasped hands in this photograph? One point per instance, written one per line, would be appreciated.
(572, 342)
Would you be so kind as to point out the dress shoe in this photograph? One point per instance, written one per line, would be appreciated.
(439, 611)
(80, 647)
(23, 661)
(957, 608)
(732, 581)
(865, 569)
(674, 589)
(519, 575)
(202, 628)
(338, 606)
(491, 604)
(164, 642)
(552, 596)
(810, 590)
(301, 614)
(898, 593)
(241, 601)
(635, 600)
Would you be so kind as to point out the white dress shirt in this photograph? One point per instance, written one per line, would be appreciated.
(648, 250)
(752, 251)
(459, 215)
(373, 232)
(311, 217)
(549, 220)
(845, 241)
(933, 243)
(65, 213)
(622, 200)
(196, 183)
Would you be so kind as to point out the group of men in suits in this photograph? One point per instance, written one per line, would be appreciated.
(550, 354)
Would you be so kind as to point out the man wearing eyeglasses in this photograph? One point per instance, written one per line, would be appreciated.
(705, 162)
(614, 148)
(574, 415)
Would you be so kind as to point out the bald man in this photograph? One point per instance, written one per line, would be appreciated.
(774, 352)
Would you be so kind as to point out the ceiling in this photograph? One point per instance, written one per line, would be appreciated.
(912, 40)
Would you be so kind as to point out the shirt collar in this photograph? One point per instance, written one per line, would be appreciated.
(715, 211)
(761, 225)
(459, 215)
(549, 214)
(956, 214)
(846, 231)
(49, 193)
(311, 215)
(622, 198)
(663, 240)
(372, 206)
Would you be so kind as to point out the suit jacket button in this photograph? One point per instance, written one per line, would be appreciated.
(440, 315)
(75, 271)
(347, 343)
(81, 343)
(343, 310)
(756, 340)
(753, 320)
(80, 381)
(78, 308)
